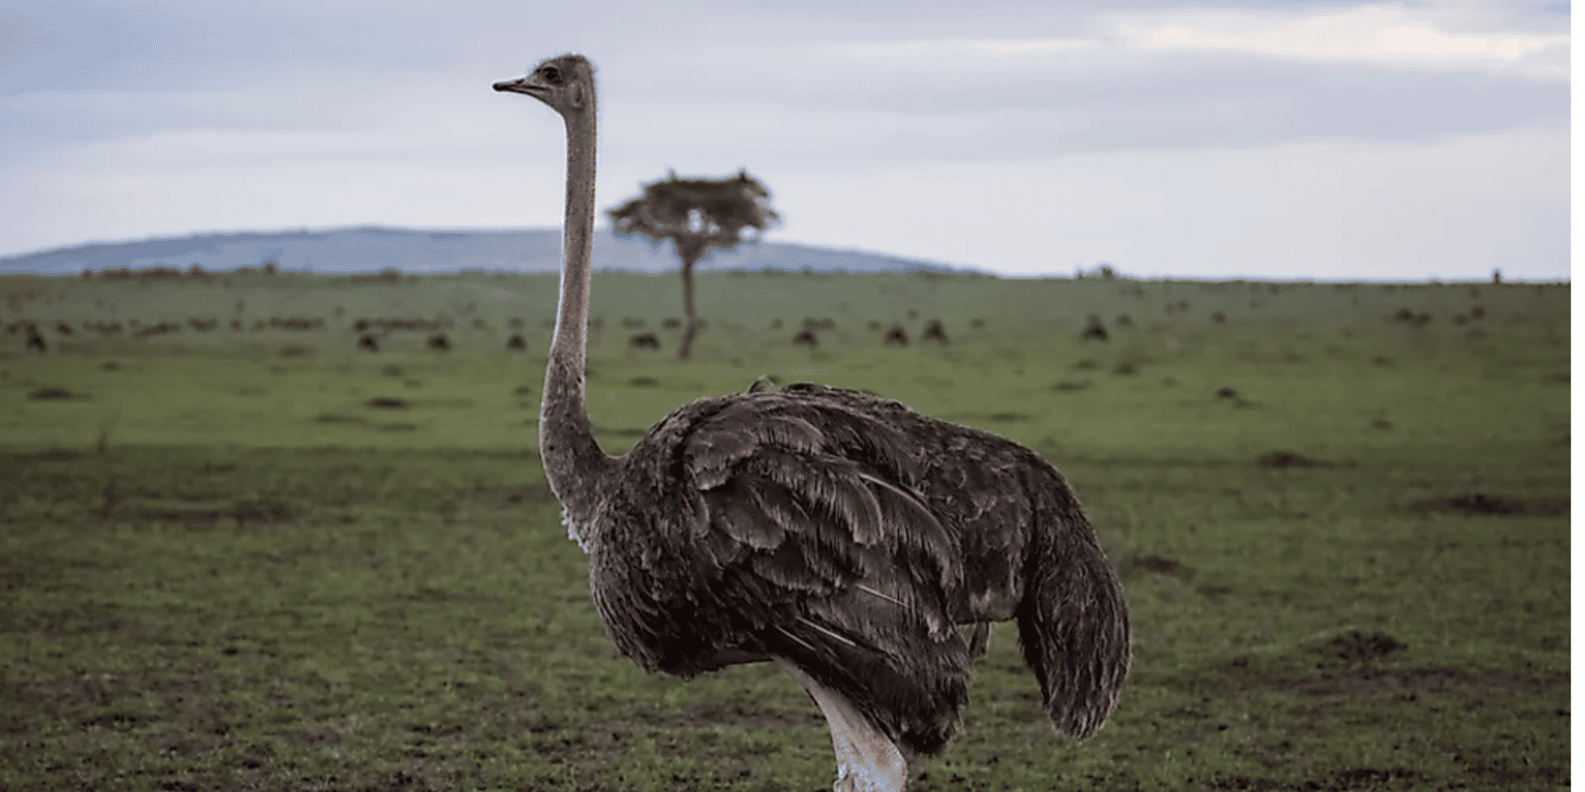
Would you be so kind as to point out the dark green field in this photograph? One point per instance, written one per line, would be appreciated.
(261, 558)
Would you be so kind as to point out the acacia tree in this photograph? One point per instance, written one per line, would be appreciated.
(696, 215)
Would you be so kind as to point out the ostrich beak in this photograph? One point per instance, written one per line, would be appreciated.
(520, 85)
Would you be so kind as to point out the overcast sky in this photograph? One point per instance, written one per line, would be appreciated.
(1314, 139)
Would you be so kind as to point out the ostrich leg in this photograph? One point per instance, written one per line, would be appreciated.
(866, 760)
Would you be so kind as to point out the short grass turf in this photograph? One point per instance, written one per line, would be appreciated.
(265, 559)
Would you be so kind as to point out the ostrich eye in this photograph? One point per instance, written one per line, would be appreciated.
(551, 74)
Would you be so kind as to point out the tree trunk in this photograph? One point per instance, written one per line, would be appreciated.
(690, 326)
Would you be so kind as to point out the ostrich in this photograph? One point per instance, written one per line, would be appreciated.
(842, 536)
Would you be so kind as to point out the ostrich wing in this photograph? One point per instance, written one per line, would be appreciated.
(787, 523)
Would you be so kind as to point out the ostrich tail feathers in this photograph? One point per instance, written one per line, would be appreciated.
(1073, 623)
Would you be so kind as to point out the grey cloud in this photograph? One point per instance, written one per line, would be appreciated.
(1162, 103)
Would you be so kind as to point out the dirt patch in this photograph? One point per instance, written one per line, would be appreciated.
(52, 394)
(1160, 565)
(1360, 778)
(1479, 503)
(710, 714)
(1482, 504)
(1357, 647)
(317, 735)
(1286, 459)
(1413, 682)
(387, 403)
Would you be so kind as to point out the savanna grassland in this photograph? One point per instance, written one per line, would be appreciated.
(241, 552)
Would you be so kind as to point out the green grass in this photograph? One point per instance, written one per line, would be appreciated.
(226, 567)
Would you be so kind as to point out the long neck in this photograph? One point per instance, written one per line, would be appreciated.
(574, 463)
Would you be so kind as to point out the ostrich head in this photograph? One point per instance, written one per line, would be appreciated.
(565, 82)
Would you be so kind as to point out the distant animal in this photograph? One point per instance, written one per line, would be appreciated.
(841, 535)
(63, 328)
(806, 338)
(35, 342)
(896, 336)
(439, 342)
(369, 342)
(934, 332)
(644, 341)
(1093, 330)
(515, 343)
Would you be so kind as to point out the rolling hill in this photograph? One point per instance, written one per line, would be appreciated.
(372, 249)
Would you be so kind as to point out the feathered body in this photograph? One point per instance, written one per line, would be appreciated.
(850, 535)
(839, 534)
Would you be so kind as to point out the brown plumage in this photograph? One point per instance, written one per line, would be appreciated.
(850, 535)
(840, 534)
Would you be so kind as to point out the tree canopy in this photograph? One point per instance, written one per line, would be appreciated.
(697, 214)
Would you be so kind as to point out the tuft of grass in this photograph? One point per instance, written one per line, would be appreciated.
(51, 394)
